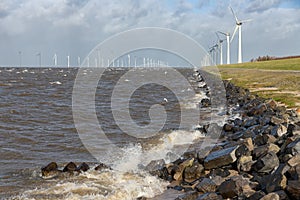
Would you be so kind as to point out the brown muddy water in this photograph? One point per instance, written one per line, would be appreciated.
(37, 127)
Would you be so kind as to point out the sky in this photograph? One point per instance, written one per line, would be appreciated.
(75, 27)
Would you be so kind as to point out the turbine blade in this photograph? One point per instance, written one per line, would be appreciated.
(236, 19)
(222, 33)
(247, 20)
(218, 36)
(234, 32)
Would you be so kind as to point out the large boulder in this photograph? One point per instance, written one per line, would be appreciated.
(266, 163)
(220, 158)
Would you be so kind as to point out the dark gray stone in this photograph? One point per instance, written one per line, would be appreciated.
(206, 185)
(266, 163)
(220, 158)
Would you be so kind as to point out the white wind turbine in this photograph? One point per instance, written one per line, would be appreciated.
(228, 45)
(220, 45)
(238, 27)
(55, 59)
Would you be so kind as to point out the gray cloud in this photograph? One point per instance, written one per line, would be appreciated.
(74, 27)
(262, 5)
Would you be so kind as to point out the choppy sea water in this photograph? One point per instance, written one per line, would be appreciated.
(37, 127)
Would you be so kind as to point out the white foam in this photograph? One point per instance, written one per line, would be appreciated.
(55, 82)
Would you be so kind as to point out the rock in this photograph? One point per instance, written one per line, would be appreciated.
(220, 158)
(257, 195)
(279, 130)
(276, 182)
(70, 167)
(258, 110)
(282, 195)
(50, 170)
(101, 167)
(276, 121)
(294, 147)
(264, 149)
(264, 139)
(158, 168)
(210, 196)
(270, 196)
(206, 185)
(193, 172)
(294, 172)
(181, 167)
(228, 127)
(293, 129)
(205, 103)
(192, 195)
(295, 160)
(266, 163)
(83, 167)
(272, 104)
(245, 163)
(234, 187)
(293, 189)
(242, 150)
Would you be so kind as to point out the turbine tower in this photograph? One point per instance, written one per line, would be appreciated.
(220, 41)
(228, 45)
(238, 27)
(68, 61)
(55, 59)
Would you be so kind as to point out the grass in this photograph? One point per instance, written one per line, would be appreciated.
(285, 64)
(277, 79)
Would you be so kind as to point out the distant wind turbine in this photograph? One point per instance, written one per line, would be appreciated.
(228, 45)
(39, 54)
(220, 45)
(55, 59)
(78, 61)
(128, 60)
(238, 27)
(68, 61)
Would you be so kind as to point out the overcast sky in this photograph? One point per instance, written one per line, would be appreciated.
(74, 27)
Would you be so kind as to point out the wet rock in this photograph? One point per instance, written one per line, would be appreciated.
(266, 163)
(228, 127)
(50, 170)
(293, 189)
(206, 185)
(209, 196)
(293, 129)
(101, 167)
(193, 172)
(205, 103)
(83, 167)
(270, 196)
(220, 158)
(245, 163)
(178, 175)
(70, 167)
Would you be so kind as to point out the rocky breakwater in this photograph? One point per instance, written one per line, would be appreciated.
(257, 157)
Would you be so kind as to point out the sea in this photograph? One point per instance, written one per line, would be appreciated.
(37, 127)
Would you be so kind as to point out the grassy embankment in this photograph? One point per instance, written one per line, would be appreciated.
(277, 79)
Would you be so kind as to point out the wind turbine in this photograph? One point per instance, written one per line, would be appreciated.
(228, 45)
(68, 61)
(238, 27)
(220, 41)
(55, 59)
